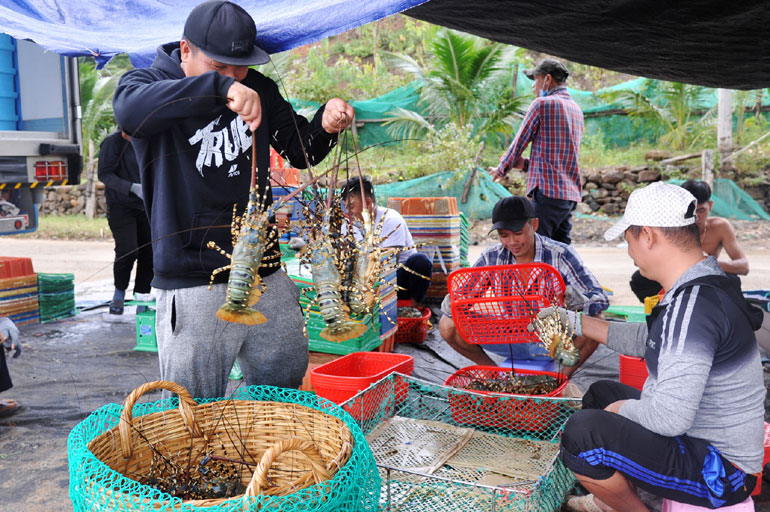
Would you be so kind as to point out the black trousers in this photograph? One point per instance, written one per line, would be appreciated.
(555, 216)
(5, 377)
(131, 231)
(597, 443)
(415, 287)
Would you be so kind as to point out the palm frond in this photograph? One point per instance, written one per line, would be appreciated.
(406, 124)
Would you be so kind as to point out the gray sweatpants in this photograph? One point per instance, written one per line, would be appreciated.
(197, 350)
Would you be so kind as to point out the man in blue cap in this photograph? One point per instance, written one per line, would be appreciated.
(191, 117)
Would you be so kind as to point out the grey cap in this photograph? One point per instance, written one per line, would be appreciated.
(548, 67)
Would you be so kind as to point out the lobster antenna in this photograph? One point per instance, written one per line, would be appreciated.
(253, 159)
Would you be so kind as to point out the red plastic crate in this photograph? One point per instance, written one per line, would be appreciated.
(491, 411)
(633, 371)
(413, 330)
(342, 378)
(11, 267)
(496, 304)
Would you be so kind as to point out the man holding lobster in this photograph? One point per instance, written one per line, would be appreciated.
(192, 117)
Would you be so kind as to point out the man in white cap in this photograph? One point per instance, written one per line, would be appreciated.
(694, 434)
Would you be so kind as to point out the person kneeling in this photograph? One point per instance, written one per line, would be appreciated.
(694, 433)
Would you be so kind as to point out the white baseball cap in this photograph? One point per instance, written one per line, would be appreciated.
(660, 205)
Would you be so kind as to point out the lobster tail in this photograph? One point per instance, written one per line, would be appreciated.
(343, 331)
(244, 316)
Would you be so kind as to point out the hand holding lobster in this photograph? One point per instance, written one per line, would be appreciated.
(337, 115)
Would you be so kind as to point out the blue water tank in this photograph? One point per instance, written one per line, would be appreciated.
(9, 93)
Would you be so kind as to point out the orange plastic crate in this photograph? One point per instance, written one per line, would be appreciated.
(424, 205)
(342, 378)
(413, 330)
(490, 410)
(633, 371)
(11, 267)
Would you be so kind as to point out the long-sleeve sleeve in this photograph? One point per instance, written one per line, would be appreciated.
(109, 163)
(527, 130)
(147, 102)
(293, 136)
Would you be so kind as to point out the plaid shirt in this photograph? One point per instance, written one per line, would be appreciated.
(564, 259)
(554, 126)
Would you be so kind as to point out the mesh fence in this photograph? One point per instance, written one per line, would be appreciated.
(496, 304)
(250, 416)
(435, 453)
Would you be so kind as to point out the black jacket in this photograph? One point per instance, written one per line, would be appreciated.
(118, 170)
(195, 159)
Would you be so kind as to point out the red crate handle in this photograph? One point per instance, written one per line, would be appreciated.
(492, 304)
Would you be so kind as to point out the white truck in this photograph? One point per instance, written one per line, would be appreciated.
(40, 129)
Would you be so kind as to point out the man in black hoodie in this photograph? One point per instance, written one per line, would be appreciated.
(191, 116)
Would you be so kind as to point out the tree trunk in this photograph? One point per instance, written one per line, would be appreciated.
(725, 127)
(90, 183)
(707, 167)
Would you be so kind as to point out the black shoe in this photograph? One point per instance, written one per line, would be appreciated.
(116, 307)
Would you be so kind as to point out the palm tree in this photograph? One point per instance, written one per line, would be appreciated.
(468, 82)
(675, 110)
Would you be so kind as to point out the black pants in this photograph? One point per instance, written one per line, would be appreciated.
(131, 232)
(415, 287)
(5, 377)
(597, 443)
(555, 216)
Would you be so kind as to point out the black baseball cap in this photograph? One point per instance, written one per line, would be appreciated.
(512, 213)
(548, 67)
(226, 33)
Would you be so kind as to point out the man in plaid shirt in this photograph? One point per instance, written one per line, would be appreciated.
(554, 126)
(516, 224)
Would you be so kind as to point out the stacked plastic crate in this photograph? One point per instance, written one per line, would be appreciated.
(464, 240)
(57, 296)
(18, 291)
(435, 225)
(283, 181)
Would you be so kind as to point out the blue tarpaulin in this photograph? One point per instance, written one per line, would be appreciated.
(104, 28)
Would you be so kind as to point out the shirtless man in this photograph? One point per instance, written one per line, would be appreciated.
(716, 233)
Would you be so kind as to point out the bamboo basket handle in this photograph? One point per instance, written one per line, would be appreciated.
(317, 468)
(186, 404)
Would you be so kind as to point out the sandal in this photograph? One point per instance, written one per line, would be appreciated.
(582, 504)
(9, 408)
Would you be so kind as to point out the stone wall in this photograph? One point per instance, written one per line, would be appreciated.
(71, 200)
(607, 190)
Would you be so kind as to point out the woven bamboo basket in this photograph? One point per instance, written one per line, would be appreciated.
(270, 448)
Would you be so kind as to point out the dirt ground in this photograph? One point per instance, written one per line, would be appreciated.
(71, 367)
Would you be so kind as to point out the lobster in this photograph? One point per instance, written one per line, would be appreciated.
(252, 234)
(326, 280)
(244, 286)
(557, 339)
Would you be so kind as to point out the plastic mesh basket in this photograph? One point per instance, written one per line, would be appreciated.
(413, 330)
(240, 428)
(501, 469)
(487, 409)
(495, 304)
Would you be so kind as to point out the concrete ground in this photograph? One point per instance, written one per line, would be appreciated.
(71, 367)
